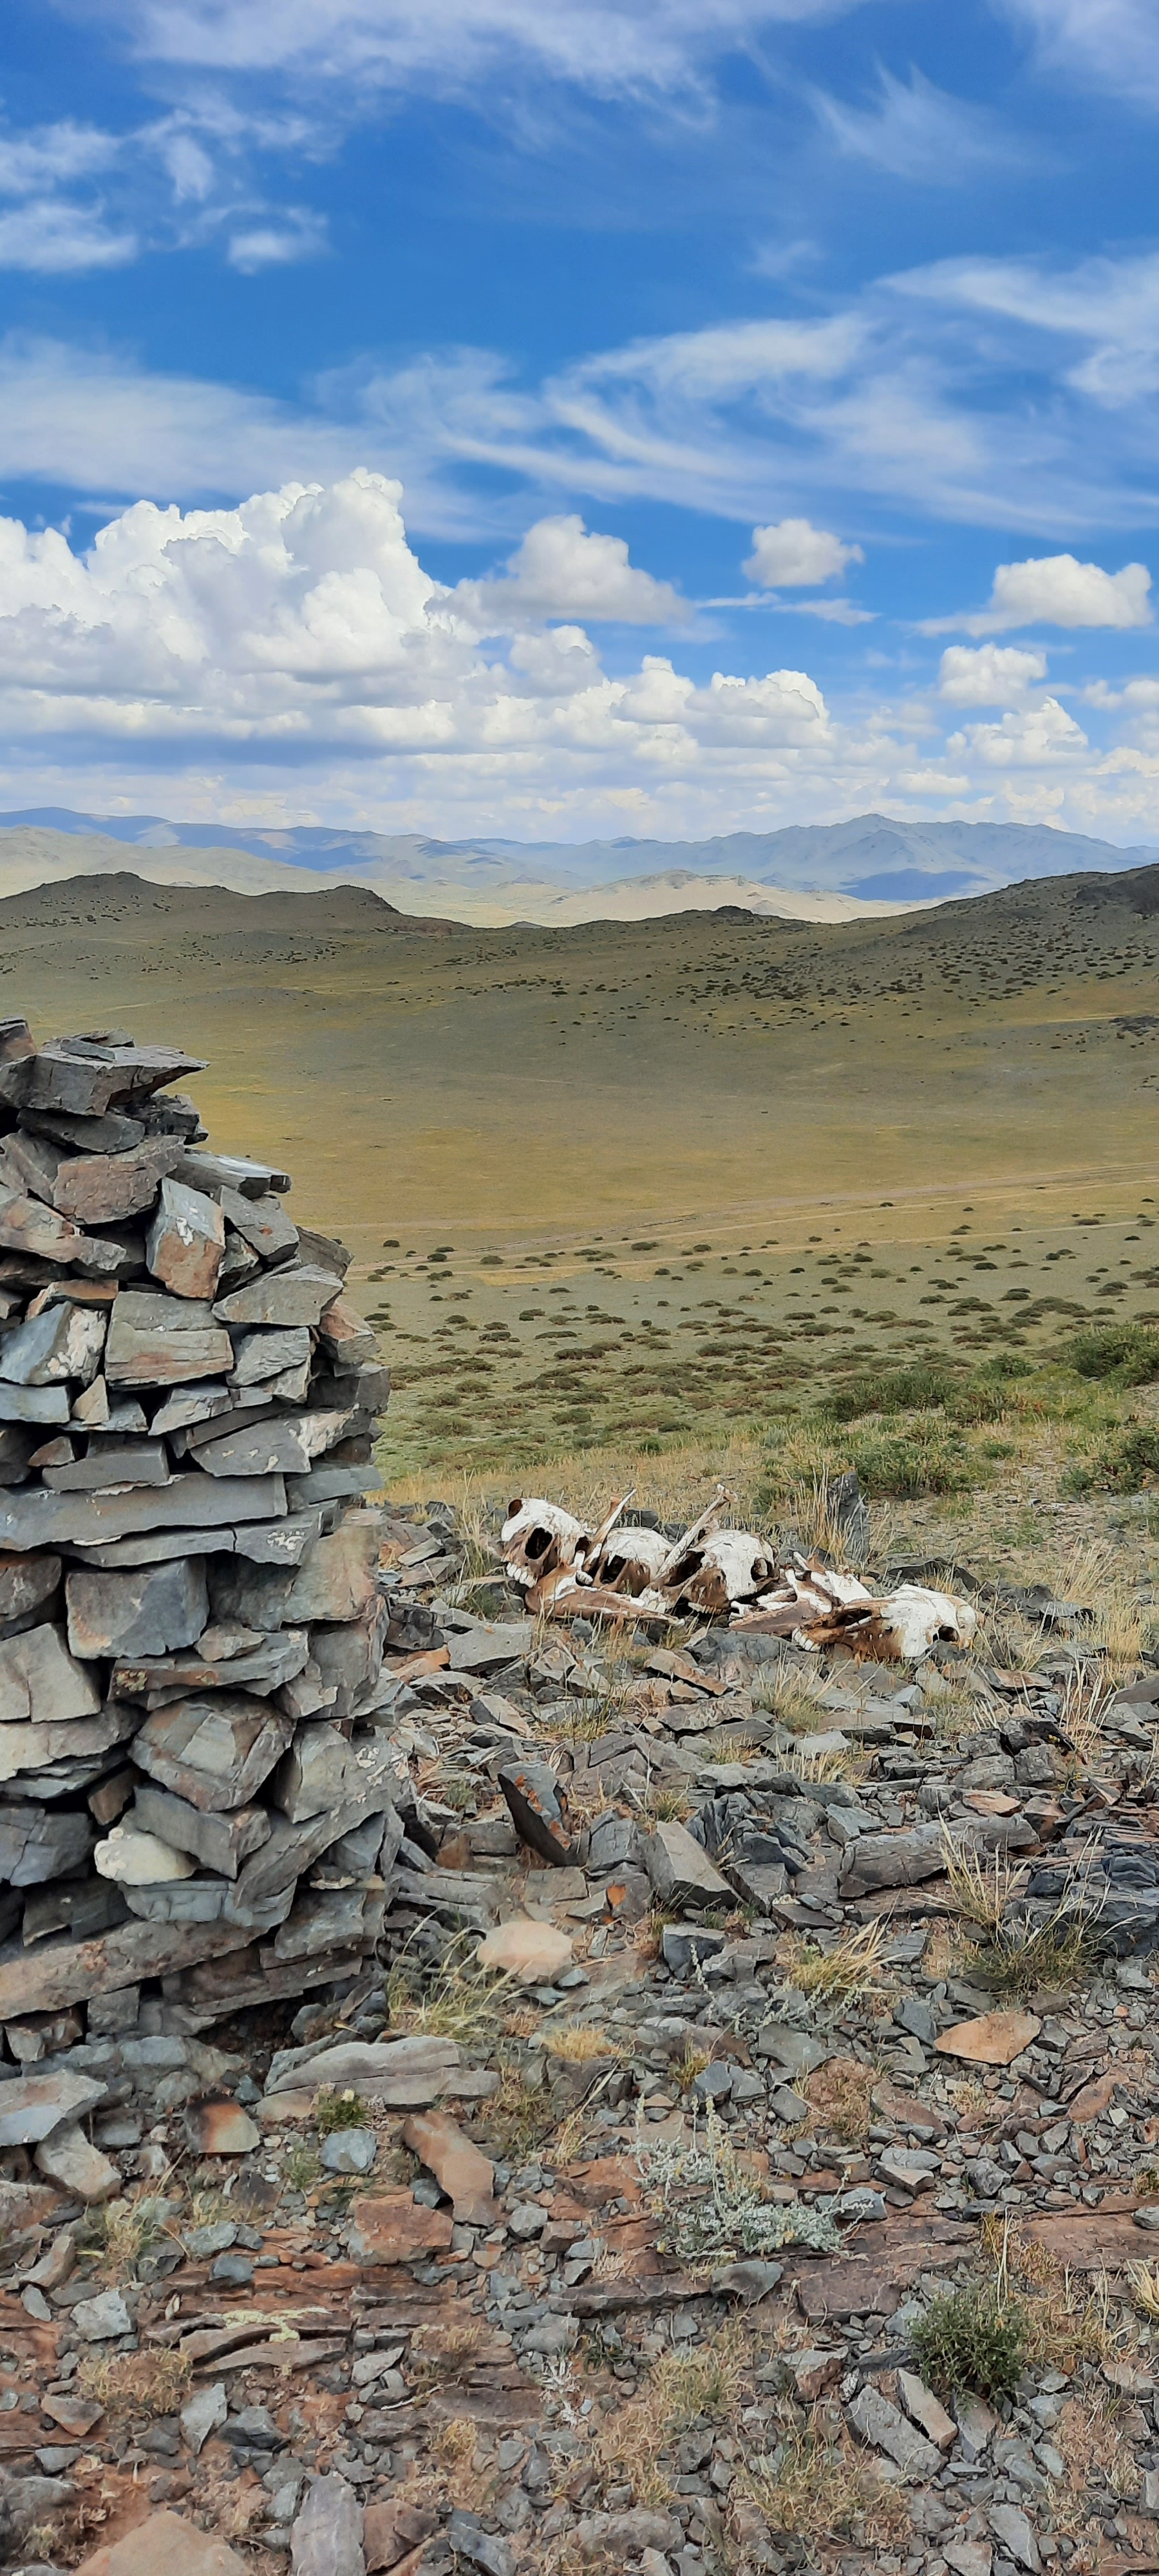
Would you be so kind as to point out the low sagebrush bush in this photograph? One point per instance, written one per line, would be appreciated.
(972, 2339)
(1128, 1352)
(1122, 1465)
(913, 1457)
(898, 1390)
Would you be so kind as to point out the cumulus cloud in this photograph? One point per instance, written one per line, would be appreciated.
(1034, 738)
(294, 651)
(560, 570)
(302, 622)
(1058, 590)
(990, 676)
(793, 552)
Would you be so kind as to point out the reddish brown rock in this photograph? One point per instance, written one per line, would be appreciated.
(1094, 2098)
(165, 2544)
(533, 1952)
(392, 2228)
(391, 2531)
(995, 2039)
(905, 2111)
(185, 1245)
(461, 2170)
(220, 2128)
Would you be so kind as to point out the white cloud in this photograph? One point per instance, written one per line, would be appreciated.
(878, 400)
(1035, 738)
(303, 623)
(296, 234)
(612, 47)
(1057, 590)
(292, 651)
(792, 551)
(919, 133)
(833, 612)
(180, 181)
(1112, 42)
(560, 570)
(989, 677)
(49, 156)
(52, 238)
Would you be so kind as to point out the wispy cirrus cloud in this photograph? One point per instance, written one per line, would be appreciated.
(1114, 43)
(612, 48)
(915, 131)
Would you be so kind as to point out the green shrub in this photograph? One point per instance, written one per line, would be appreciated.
(1128, 1352)
(898, 1390)
(912, 1458)
(972, 2339)
(1122, 1466)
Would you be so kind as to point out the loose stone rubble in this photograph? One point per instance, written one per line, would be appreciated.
(541, 2147)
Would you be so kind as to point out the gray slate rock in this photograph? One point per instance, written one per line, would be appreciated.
(102, 2318)
(327, 2535)
(32, 2106)
(680, 1870)
(886, 2429)
(149, 1611)
(1012, 2530)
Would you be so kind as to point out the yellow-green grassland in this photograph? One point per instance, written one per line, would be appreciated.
(706, 1194)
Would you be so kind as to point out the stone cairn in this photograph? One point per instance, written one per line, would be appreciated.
(190, 1623)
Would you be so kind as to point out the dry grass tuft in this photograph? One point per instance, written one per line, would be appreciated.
(816, 2487)
(851, 1967)
(440, 2354)
(461, 2002)
(1065, 2324)
(146, 2383)
(1144, 2280)
(518, 2115)
(123, 2230)
(982, 1884)
(582, 2044)
(839, 2096)
(670, 1805)
(1098, 2456)
(792, 1696)
(1020, 1961)
(1084, 1706)
(629, 2448)
(460, 2477)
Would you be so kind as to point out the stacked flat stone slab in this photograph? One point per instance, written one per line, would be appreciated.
(191, 1624)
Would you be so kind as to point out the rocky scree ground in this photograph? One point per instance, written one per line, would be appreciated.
(744, 2154)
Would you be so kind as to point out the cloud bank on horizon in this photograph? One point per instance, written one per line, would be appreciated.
(638, 416)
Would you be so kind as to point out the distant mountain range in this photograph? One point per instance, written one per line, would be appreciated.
(814, 872)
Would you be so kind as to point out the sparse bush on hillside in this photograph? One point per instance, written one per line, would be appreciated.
(1128, 1352)
(916, 1456)
(1126, 1464)
(896, 1390)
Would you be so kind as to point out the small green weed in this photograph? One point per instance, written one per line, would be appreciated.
(972, 2339)
(333, 2111)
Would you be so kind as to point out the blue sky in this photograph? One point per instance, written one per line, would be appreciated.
(663, 417)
